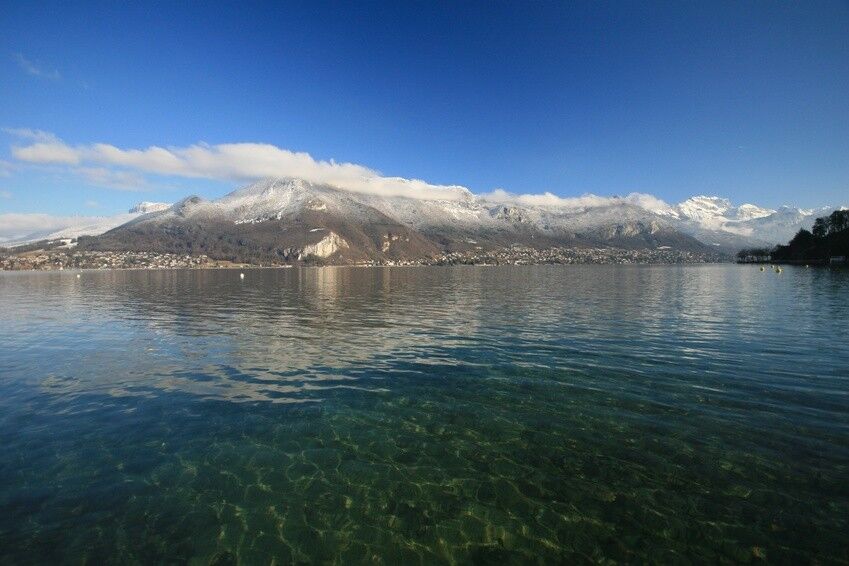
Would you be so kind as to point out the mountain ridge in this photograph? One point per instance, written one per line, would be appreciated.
(285, 220)
(292, 216)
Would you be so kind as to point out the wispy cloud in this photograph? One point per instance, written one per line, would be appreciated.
(31, 134)
(112, 179)
(6, 194)
(34, 69)
(642, 200)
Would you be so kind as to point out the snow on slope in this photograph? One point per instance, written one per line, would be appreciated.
(281, 198)
(751, 211)
(146, 206)
(91, 227)
(461, 219)
(766, 225)
(712, 209)
(56, 228)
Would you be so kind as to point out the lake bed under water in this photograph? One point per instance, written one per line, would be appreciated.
(425, 415)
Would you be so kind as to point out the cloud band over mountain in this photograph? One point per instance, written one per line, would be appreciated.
(231, 161)
(105, 164)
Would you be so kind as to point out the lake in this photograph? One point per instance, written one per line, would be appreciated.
(501, 415)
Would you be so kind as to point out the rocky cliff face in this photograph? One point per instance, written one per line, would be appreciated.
(326, 247)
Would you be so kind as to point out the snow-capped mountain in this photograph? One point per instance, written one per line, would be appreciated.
(782, 224)
(303, 215)
(290, 218)
(700, 214)
(287, 219)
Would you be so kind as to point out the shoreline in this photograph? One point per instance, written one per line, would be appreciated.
(811, 262)
(357, 266)
(73, 259)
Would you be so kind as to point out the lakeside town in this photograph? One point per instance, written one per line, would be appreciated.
(54, 260)
(523, 255)
(64, 258)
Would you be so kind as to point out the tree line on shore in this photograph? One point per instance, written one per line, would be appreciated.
(828, 238)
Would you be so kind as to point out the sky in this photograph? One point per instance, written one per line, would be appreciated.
(107, 104)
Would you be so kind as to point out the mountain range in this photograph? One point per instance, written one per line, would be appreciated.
(285, 220)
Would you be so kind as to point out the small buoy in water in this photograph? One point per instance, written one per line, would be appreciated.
(762, 268)
(778, 270)
(807, 266)
(241, 276)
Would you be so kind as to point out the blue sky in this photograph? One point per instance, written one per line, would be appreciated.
(748, 100)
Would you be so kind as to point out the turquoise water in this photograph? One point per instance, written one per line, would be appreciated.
(505, 415)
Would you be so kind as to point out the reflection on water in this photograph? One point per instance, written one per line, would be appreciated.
(408, 415)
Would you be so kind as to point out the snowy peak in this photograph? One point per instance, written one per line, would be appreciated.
(751, 211)
(707, 208)
(704, 207)
(275, 198)
(276, 186)
(145, 207)
(758, 224)
(270, 187)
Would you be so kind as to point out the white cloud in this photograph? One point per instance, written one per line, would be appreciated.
(547, 199)
(233, 162)
(31, 134)
(6, 194)
(92, 204)
(108, 165)
(35, 70)
(47, 152)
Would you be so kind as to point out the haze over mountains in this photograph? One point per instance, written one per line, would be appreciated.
(17, 229)
(285, 219)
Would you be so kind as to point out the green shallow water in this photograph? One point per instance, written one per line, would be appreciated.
(505, 415)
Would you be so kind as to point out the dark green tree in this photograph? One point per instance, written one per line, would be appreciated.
(820, 229)
(803, 240)
(838, 221)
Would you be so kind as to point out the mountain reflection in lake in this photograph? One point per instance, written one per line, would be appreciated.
(406, 415)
